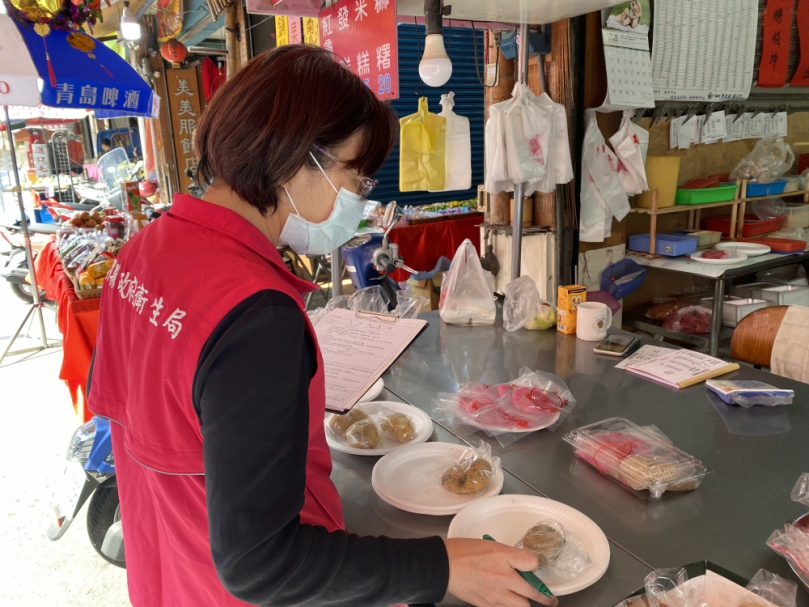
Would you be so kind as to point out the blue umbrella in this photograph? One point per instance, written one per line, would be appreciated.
(80, 72)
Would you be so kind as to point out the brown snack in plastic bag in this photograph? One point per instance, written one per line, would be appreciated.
(341, 423)
(465, 479)
(641, 472)
(363, 435)
(664, 310)
(397, 427)
(546, 539)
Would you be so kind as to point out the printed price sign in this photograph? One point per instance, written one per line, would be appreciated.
(363, 34)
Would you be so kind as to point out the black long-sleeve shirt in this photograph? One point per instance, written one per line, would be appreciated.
(251, 395)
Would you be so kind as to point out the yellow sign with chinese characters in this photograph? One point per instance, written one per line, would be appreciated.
(311, 31)
(281, 30)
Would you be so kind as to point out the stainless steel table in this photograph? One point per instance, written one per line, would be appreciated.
(366, 514)
(756, 455)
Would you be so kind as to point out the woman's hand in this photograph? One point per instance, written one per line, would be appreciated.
(483, 573)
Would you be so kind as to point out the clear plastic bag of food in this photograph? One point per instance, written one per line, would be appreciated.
(524, 308)
(770, 160)
(689, 319)
(800, 492)
(773, 588)
(363, 434)
(396, 426)
(369, 299)
(672, 588)
(561, 554)
(340, 301)
(748, 393)
(792, 542)
(473, 472)
(339, 424)
(466, 297)
(409, 306)
(510, 411)
(642, 459)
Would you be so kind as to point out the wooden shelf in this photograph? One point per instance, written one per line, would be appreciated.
(679, 208)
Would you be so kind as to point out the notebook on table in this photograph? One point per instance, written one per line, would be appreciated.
(680, 368)
(357, 348)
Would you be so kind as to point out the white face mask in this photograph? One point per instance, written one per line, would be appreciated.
(307, 238)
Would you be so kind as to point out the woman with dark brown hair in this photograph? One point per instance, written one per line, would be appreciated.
(210, 368)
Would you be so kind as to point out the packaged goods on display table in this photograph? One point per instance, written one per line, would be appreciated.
(561, 554)
(748, 393)
(708, 586)
(792, 541)
(533, 401)
(642, 459)
(473, 472)
(527, 142)
(569, 297)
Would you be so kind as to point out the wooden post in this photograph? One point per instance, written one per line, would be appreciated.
(741, 194)
(697, 217)
(230, 41)
(691, 216)
(653, 226)
(733, 212)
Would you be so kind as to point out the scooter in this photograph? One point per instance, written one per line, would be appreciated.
(14, 264)
(371, 258)
(90, 474)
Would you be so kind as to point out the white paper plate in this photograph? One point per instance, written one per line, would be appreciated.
(471, 421)
(751, 249)
(410, 479)
(507, 517)
(373, 391)
(732, 258)
(421, 421)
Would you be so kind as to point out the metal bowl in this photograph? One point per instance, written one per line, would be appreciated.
(803, 523)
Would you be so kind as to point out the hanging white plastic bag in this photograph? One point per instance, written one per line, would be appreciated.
(562, 161)
(643, 140)
(596, 214)
(459, 147)
(600, 161)
(466, 298)
(626, 144)
(496, 178)
(528, 128)
(546, 184)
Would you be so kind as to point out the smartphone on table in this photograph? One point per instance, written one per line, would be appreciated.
(617, 345)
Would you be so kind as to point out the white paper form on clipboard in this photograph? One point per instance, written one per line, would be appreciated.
(357, 348)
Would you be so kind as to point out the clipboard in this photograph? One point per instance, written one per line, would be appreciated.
(357, 349)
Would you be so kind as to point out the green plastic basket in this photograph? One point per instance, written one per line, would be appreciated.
(722, 193)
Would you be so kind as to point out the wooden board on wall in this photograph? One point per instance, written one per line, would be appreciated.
(184, 105)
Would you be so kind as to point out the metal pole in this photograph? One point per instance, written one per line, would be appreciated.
(24, 225)
(336, 272)
(519, 188)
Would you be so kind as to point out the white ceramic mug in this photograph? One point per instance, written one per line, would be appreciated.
(592, 321)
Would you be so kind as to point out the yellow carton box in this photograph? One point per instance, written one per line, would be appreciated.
(569, 299)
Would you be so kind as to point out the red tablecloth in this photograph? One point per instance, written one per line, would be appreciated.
(78, 322)
(422, 245)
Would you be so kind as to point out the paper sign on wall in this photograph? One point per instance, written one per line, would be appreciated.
(311, 31)
(281, 30)
(364, 35)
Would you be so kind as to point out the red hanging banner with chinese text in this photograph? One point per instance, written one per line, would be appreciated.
(801, 76)
(363, 34)
(776, 38)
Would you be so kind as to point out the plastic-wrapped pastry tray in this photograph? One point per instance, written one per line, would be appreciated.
(639, 458)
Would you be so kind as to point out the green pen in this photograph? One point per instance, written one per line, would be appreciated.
(528, 576)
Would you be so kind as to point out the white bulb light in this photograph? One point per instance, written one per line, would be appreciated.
(435, 67)
(130, 28)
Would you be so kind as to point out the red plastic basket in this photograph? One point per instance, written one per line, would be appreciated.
(753, 226)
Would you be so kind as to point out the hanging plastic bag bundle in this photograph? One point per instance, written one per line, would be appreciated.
(422, 150)
(466, 297)
(529, 129)
(602, 193)
(459, 147)
(496, 179)
(524, 308)
(626, 144)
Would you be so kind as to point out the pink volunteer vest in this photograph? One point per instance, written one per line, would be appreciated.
(170, 287)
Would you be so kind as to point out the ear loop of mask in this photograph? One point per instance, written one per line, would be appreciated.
(291, 201)
(324, 173)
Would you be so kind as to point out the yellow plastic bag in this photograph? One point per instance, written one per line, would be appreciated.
(422, 150)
